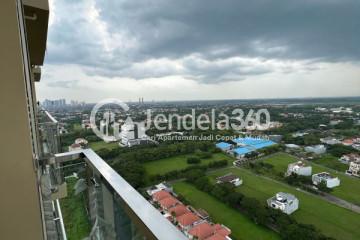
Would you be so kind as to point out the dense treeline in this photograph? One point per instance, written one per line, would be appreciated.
(338, 150)
(184, 173)
(286, 226)
(158, 152)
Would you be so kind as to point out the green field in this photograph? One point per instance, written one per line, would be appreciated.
(331, 162)
(332, 220)
(241, 226)
(101, 144)
(76, 221)
(348, 190)
(179, 162)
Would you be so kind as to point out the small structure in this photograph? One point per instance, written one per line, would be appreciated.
(292, 146)
(79, 143)
(229, 178)
(161, 186)
(330, 181)
(298, 168)
(330, 140)
(317, 149)
(224, 146)
(354, 169)
(285, 202)
(83, 142)
(74, 147)
(348, 158)
(203, 214)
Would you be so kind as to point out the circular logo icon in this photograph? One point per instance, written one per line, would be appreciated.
(108, 120)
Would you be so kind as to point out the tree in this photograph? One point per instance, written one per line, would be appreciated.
(193, 160)
(322, 187)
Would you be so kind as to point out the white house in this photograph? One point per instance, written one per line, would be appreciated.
(354, 169)
(317, 149)
(330, 181)
(330, 140)
(81, 141)
(347, 158)
(285, 202)
(298, 168)
(229, 178)
(157, 188)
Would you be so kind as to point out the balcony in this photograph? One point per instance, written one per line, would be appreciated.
(115, 210)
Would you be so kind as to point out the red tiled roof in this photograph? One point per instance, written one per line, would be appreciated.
(221, 230)
(168, 202)
(187, 219)
(178, 210)
(160, 195)
(216, 236)
(202, 231)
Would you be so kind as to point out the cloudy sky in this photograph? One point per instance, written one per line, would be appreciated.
(201, 49)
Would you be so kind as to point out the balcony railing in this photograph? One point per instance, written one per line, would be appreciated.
(117, 210)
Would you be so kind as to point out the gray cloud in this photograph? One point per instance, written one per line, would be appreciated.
(207, 40)
(64, 84)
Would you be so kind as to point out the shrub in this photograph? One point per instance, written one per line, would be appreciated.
(193, 160)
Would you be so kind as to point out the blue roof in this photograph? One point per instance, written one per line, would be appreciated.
(223, 145)
(264, 144)
(256, 143)
(242, 150)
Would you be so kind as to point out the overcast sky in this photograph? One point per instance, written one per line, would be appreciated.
(208, 49)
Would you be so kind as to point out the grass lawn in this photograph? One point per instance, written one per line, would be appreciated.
(77, 127)
(331, 162)
(330, 219)
(101, 144)
(240, 225)
(179, 162)
(348, 190)
(76, 222)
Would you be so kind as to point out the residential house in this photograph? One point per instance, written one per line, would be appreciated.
(230, 178)
(330, 140)
(168, 203)
(348, 158)
(317, 149)
(292, 146)
(299, 168)
(354, 169)
(160, 195)
(187, 221)
(285, 202)
(348, 142)
(205, 231)
(330, 181)
(158, 188)
(178, 210)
